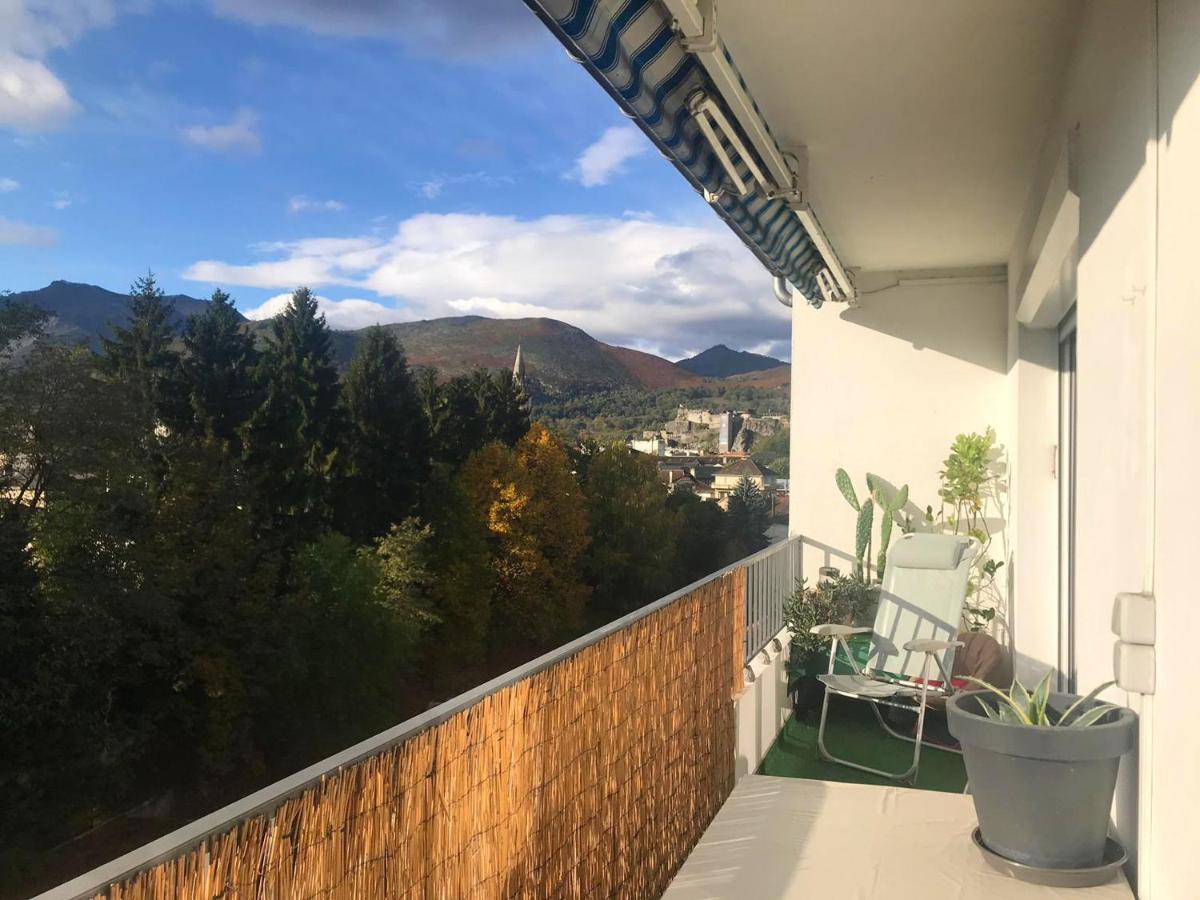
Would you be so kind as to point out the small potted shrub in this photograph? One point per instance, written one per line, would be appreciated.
(841, 598)
(1042, 768)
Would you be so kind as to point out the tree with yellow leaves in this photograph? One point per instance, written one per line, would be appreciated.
(537, 523)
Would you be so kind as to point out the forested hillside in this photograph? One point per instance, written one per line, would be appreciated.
(223, 558)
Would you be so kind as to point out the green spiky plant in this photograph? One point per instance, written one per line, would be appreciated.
(889, 507)
(1020, 707)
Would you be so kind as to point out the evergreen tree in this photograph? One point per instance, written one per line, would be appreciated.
(747, 517)
(631, 558)
(469, 411)
(386, 453)
(457, 425)
(139, 353)
(216, 374)
(506, 408)
(704, 545)
(291, 439)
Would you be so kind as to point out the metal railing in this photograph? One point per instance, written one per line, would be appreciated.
(773, 575)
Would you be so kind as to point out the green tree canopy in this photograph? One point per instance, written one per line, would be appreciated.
(386, 452)
(631, 558)
(748, 516)
(291, 440)
(139, 352)
(217, 373)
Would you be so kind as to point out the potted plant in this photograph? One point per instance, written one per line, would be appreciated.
(970, 490)
(841, 598)
(1042, 768)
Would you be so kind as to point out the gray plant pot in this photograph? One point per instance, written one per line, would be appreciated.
(1042, 794)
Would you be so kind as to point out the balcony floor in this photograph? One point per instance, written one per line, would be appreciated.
(796, 839)
(853, 733)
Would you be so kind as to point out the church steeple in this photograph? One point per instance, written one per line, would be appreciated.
(519, 367)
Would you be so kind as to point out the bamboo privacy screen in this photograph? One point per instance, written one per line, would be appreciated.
(592, 778)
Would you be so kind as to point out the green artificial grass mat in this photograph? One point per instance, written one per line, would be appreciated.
(852, 733)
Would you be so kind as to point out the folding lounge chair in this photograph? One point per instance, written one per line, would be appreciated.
(915, 630)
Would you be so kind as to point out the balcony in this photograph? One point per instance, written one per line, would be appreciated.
(590, 771)
(599, 769)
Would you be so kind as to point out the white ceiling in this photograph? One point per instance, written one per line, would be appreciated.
(923, 118)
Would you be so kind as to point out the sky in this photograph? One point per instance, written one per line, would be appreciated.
(406, 159)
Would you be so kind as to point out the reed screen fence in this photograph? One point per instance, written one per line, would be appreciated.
(593, 777)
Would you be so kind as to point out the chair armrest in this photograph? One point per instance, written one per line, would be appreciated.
(836, 631)
(922, 645)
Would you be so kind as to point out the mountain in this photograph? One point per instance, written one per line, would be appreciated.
(721, 362)
(559, 358)
(777, 377)
(85, 311)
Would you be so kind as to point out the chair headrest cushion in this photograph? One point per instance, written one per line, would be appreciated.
(927, 551)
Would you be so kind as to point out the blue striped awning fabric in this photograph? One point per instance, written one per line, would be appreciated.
(630, 47)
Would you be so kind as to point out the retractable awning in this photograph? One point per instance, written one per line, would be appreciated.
(661, 77)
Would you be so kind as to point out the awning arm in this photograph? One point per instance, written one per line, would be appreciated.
(696, 23)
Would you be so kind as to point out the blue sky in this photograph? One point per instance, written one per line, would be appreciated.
(405, 159)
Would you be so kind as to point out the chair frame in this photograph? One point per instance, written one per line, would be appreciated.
(909, 775)
(934, 650)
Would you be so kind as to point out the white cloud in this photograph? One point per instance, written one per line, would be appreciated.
(62, 200)
(432, 189)
(608, 155)
(633, 282)
(302, 204)
(23, 234)
(237, 136)
(457, 29)
(340, 314)
(8, 185)
(32, 97)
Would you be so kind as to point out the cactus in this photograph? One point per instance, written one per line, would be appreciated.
(888, 508)
(847, 488)
(862, 536)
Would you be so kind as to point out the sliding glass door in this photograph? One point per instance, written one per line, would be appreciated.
(1065, 468)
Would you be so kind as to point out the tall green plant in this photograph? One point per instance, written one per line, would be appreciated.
(889, 507)
(968, 485)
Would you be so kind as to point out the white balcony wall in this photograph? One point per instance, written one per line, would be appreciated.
(1106, 117)
(885, 388)
(1171, 783)
(763, 707)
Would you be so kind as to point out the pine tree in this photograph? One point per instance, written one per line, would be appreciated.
(291, 439)
(469, 411)
(457, 426)
(506, 408)
(140, 353)
(216, 374)
(386, 451)
(748, 516)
